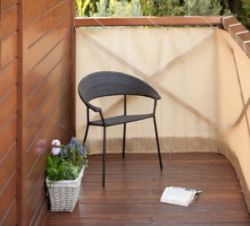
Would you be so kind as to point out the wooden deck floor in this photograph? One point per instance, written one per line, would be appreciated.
(134, 187)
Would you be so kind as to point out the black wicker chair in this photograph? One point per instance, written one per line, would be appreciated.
(110, 83)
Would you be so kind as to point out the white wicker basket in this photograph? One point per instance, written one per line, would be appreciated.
(64, 194)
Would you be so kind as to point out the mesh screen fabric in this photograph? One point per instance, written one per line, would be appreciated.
(178, 62)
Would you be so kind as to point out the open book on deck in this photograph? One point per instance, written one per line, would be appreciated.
(179, 196)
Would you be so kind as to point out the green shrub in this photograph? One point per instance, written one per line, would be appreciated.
(108, 8)
(202, 7)
(178, 8)
(246, 13)
(116, 8)
(66, 161)
(59, 168)
(162, 8)
(81, 7)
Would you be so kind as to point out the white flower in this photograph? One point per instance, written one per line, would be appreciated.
(55, 142)
(55, 150)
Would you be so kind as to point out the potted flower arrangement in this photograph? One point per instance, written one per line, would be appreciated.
(65, 167)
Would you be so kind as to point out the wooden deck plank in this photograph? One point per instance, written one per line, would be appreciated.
(134, 186)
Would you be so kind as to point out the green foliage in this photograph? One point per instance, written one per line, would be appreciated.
(240, 9)
(179, 8)
(162, 7)
(59, 168)
(81, 6)
(108, 8)
(86, 7)
(246, 6)
(124, 8)
(202, 7)
(246, 14)
(116, 8)
(102, 9)
(68, 163)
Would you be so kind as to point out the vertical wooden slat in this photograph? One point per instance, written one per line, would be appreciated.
(19, 118)
(45, 92)
(72, 68)
(8, 113)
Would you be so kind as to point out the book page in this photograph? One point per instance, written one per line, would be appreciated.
(179, 196)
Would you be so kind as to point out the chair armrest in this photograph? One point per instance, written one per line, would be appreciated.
(94, 108)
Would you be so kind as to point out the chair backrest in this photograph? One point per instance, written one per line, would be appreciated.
(110, 83)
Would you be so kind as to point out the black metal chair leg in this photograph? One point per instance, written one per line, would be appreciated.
(86, 134)
(124, 140)
(158, 144)
(104, 157)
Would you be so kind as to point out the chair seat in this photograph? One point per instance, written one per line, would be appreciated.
(121, 119)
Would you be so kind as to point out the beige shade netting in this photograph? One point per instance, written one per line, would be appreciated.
(176, 62)
(202, 76)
